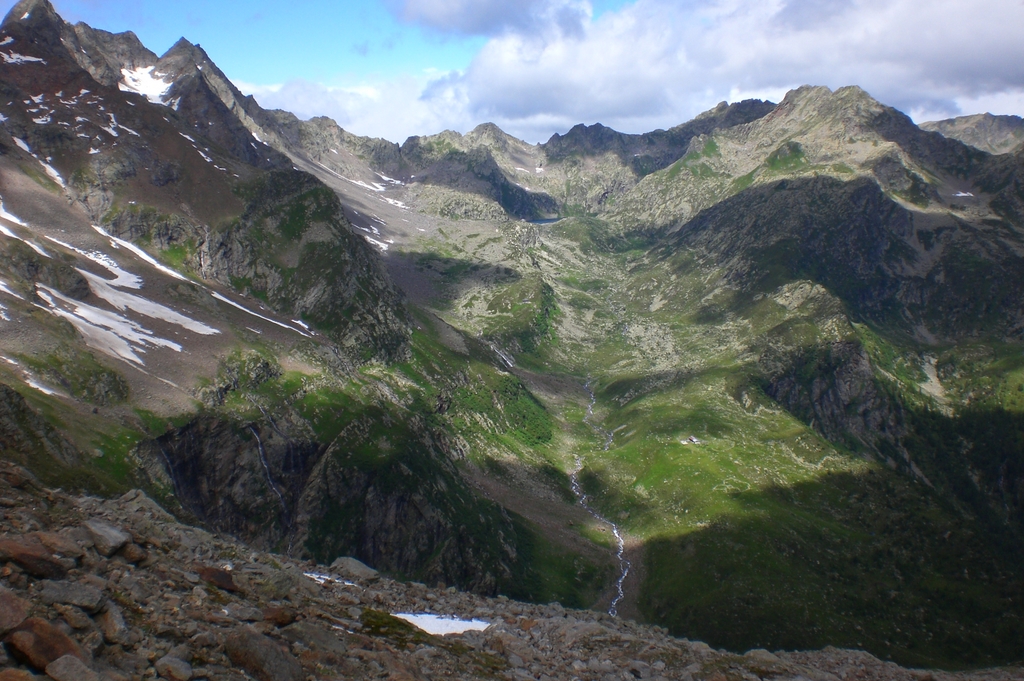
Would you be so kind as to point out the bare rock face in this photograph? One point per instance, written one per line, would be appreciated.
(841, 398)
(994, 134)
(23, 432)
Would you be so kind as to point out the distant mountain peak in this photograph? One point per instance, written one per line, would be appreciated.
(994, 134)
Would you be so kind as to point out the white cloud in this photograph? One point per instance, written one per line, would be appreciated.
(657, 63)
(493, 17)
(392, 109)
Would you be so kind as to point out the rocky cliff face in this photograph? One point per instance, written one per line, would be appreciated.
(833, 387)
(924, 274)
(408, 514)
(25, 435)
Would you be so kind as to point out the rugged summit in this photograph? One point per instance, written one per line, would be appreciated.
(994, 134)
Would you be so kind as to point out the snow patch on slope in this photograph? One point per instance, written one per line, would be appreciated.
(107, 332)
(232, 303)
(440, 626)
(122, 278)
(121, 243)
(146, 82)
(148, 308)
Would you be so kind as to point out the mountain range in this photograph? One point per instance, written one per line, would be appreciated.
(769, 360)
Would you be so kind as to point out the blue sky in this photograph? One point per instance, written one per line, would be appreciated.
(272, 42)
(394, 68)
(264, 42)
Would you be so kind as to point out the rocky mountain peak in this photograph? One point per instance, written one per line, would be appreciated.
(994, 134)
(37, 21)
(490, 135)
(184, 50)
(33, 13)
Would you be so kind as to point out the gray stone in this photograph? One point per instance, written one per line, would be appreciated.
(13, 610)
(354, 568)
(261, 656)
(170, 667)
(86, 597)
(107, 538)
(244, 613)
(314, 637)
(111, 622)
(70, 668)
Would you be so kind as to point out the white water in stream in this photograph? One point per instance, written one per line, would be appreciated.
(266, 468)
(581, 496)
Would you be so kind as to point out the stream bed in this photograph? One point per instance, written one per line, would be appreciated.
(582, 499)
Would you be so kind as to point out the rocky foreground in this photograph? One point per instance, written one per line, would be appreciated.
(118, 589)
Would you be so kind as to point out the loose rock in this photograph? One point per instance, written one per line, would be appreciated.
(70, 668)
(217, 577)
(261, 657)
(111, 622)
(38, 643)
(33, 558)
(354, 568)
(172, 668)
(13, 610)
(107, 538)
(86, 597)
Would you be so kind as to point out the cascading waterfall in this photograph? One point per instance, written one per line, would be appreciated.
(581, 496)
(266, 468)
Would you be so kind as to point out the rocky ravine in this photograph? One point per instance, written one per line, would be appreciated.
(93, 589)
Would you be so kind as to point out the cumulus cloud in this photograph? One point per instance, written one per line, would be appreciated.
(493, 17)
(657, 63)
(393, 109)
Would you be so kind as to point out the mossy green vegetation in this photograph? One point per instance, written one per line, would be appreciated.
(81, 375)
(766, 532)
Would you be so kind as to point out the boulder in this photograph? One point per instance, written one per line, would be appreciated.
(13, 610)
(261, 656)
(243, 613)
(280, 616)
(58, 543)
(314, 637)
(111, 622)
(70, 668)
(217, 577)
(32, 557)
(170, 667)
(354, 568)
(37, 643)
(107, 539)
(86, 597)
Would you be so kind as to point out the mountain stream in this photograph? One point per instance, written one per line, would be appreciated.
(581, 496)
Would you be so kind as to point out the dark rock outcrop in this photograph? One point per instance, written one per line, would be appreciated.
(25, 434)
